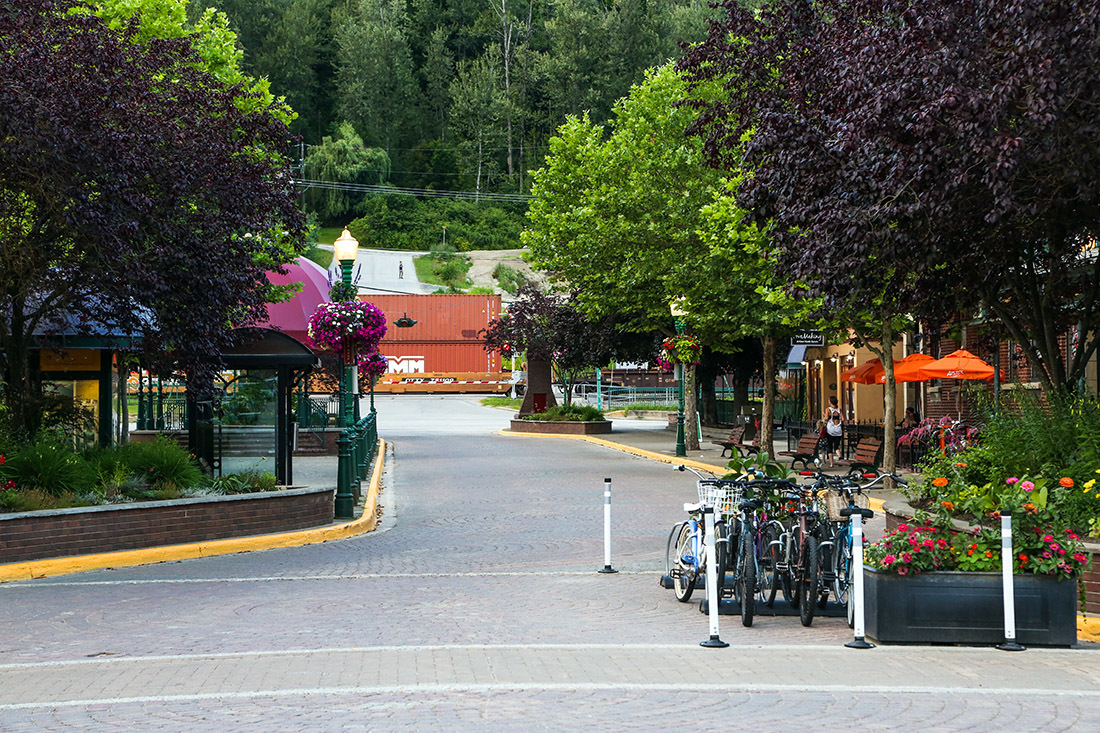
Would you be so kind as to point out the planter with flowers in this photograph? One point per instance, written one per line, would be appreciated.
(347, 327)
(679, 349)
(936, 578)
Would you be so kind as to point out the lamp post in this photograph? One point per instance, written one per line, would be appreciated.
(346, 250)
(678, 312)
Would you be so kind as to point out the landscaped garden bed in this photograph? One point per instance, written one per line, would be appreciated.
(564, 420)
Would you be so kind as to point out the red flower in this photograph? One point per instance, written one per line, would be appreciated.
(1066, 481)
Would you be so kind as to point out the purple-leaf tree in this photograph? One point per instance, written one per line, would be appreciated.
(922, 156)
(129, 178)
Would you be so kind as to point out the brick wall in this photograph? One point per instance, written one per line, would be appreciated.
(64, 532)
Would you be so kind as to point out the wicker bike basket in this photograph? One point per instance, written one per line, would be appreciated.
(835, 501)
(724, 496)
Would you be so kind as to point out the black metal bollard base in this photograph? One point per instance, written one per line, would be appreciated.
(714, 643)
(859, 643)
(1011, 646)
(607, 569)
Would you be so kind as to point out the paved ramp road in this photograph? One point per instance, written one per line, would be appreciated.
(477, 607)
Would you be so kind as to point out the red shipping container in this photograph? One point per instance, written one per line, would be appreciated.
(452, 319)
(418, 357)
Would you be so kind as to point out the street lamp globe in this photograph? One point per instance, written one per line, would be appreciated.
(346, 247)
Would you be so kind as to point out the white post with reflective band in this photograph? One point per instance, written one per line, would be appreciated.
(1009, 644)
(859, 622)
(712, 578)
(607, 528)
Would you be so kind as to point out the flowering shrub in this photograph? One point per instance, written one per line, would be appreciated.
(372, 366)
(351, 324)
(679, 349)
(934, 544)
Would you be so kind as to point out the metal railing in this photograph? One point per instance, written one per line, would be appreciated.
(908, 453)
(356, 447)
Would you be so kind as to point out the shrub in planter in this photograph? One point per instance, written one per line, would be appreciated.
(568, 413)
(49, 467)
(162, 464)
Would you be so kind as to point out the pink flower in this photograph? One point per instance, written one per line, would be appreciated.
(1045, 554)
(903, 527)
(903, 570)
(888, 560)
(905, 557)
(1079, 557)
(1061, 551)
(1027, 486)
(927, 543)
(1046, 538)
(1012, 480)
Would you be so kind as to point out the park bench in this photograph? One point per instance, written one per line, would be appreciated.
(866, 455)
(733, 442)
(806, 451)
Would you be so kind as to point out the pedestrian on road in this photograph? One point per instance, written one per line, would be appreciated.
(400, 270)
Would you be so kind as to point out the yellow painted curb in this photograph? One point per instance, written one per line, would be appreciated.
(876, 504)
(1088, 629)
(169, 553)
(673, 460)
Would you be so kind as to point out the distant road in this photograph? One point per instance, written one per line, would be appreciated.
(385, 271)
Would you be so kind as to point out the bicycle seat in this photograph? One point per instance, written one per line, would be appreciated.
(750, 505)
(692, 507)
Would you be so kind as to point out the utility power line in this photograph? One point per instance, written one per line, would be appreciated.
(305, 184)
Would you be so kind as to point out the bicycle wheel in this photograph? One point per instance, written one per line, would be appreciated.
(685, 564)
(810, 581)
(722, 559)
(842, 583)
(769, 566)
(746, 577)
(670, 548)
(792, 588)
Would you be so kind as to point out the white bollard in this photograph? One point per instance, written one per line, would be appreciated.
(857, 582)
(607, 528)
(712, 579)
(1009, 644)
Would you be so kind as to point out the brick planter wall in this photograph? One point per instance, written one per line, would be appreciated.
(561, 428)
(79, 531)
(899, 513)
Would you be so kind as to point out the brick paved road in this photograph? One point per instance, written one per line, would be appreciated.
(476, 607)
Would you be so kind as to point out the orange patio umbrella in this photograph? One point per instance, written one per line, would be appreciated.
(959, 364)
(908, 369)
(865, 373)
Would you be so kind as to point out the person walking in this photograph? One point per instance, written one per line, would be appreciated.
(834, 431)
(400, 270)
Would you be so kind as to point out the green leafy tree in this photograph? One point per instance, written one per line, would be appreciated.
(377, 87)
(479, 110)
(343, 158)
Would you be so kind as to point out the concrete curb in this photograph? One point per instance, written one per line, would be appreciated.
(169, 553)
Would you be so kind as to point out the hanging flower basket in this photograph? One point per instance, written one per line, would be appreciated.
(372, 366)
(351, 325)
(679, 350)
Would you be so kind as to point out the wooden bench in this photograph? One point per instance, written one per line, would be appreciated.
(806, 451)
(866, 455)
(732, 441)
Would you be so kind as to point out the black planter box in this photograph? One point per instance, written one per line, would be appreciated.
(967, 608)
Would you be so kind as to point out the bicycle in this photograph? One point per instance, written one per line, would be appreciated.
(798, 565)
(844, 493)
(685, 561)
(758, 533)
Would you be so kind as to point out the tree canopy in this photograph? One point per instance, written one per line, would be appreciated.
(129, 176)
(921, 156)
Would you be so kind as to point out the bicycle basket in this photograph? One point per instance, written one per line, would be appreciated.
(836, 500)
(724, 496)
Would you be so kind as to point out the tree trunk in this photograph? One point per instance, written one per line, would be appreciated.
(706, 373)
(767, 416)
(889, 442)
(691, 410)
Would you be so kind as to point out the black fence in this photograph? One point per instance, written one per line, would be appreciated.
(909, 452)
